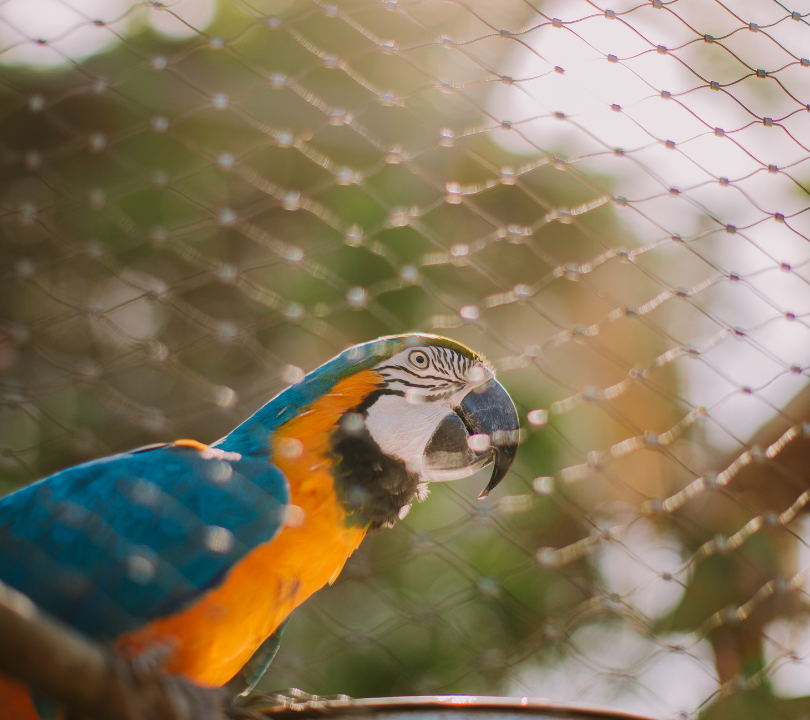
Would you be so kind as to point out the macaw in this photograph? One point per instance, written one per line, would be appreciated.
(199, 553)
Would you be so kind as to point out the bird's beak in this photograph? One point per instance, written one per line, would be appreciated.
(482, 430)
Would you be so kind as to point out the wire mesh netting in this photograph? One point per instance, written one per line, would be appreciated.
(201, 202)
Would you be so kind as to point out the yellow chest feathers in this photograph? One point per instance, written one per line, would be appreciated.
(214, 638)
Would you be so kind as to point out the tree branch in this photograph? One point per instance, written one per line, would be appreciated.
(89, 679)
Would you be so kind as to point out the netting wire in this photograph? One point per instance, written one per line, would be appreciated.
(203, 201)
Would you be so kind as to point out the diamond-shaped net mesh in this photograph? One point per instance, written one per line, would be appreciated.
(200, 202)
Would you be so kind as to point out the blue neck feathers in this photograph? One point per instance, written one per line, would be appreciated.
(252, 436)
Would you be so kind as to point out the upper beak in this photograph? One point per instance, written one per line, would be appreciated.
(488, 413)
(488, 410)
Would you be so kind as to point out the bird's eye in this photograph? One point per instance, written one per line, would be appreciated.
(418, 359)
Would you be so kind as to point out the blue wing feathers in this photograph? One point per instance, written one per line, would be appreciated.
(115, 543)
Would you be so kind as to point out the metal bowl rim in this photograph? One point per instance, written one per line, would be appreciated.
(457, 702)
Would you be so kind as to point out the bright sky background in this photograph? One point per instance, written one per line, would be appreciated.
(68, 26)
(586, 92)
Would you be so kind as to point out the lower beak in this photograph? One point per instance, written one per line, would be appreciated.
(482, 430)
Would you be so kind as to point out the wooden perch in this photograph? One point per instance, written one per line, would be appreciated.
(90, 680)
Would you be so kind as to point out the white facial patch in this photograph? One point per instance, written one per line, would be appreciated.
(403, 429)
(433, 381)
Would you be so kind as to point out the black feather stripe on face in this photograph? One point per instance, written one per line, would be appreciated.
(447, 372)
(441, 360)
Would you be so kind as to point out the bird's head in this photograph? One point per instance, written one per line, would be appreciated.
(388, 417)
(435, 413)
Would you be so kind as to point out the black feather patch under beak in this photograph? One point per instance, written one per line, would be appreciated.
(488, 411)
(482, 430)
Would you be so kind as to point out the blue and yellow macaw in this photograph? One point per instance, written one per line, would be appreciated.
(198, 553)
